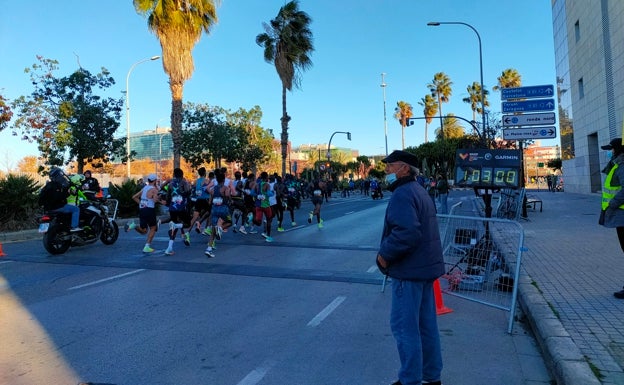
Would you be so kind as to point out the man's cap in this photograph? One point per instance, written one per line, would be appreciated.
(152, 177)
(402, 156)
(614, 143)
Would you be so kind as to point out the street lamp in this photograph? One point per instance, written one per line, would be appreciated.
(158, 165)
(128, 109)
(437, 23)
(383, 86)
(329, 144)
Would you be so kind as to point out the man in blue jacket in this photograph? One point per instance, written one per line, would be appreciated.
(411, 253)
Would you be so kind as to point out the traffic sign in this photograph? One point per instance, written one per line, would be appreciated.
(529, 105)
(546, 91)
(529, 133)
(529, 119)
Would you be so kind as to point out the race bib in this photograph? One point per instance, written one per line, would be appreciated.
(143, 203)
(218, 201)
(317, 193)
(261, 197)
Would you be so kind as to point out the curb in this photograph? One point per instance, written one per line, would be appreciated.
(562, 356)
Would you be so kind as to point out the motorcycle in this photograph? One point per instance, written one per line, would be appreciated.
(97, 221)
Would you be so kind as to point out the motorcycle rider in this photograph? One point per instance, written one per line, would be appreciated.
(53, 198)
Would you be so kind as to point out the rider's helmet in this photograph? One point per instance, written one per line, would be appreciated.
(57, 175)
(77, 179)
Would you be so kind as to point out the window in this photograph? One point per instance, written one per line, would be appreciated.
(577, 31)
(581, 89)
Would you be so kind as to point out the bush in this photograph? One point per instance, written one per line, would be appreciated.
(123, 193)
(19, 208)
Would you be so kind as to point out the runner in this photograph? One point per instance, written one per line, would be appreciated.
(219, 196)
(201, 196)
(293, 199)
(263, 205)
(317, 189)
(178, 193)
(239, 210)
(147, 198)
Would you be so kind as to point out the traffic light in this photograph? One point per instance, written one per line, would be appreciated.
(349, 135)
(408, 122)
(327, 164)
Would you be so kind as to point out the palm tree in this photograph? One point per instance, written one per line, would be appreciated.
(178, 24)
(474, 98)
(402, 113)
(430, 109)
(510, 78)
(441, 89)
(287, 43)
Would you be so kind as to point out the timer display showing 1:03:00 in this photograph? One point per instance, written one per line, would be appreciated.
(486, 176)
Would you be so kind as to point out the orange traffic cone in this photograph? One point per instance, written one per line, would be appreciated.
(1, 252)
(440, 308)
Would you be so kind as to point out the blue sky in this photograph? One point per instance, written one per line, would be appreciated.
(355, 41)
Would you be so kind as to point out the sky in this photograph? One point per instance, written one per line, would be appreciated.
(355, 42)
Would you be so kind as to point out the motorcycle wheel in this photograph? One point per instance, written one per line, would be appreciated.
(110, 233)
(54, 242)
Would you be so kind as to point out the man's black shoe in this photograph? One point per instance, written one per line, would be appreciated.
(398, 382)
(619, 294)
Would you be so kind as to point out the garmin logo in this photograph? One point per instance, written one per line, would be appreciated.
(506, 157)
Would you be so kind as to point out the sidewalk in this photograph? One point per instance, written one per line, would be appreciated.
(574, 266)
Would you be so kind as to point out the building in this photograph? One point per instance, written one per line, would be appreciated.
(536, 160)
(154, 144)
(589, 55)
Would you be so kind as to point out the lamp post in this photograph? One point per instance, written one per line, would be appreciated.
(437, 23)
(330, 139)
(383, 87)
(128, 109)
(160, 153)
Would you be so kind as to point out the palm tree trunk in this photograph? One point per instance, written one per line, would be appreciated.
(426, 129)
(284, 137)
(402, 137)
(441, 122)
(176, 121)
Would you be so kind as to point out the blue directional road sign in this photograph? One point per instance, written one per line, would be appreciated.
(529, 105)
(538, 119)
(547, 91)
(529, 133)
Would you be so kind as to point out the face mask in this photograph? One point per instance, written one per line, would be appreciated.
(609, 154)
(391, 178)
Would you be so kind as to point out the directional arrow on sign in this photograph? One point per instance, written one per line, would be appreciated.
(529, 105)
(529, 119)
(529, 133)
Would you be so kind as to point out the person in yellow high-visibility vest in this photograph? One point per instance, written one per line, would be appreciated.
(612, 215)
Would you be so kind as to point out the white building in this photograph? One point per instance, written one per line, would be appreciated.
(589, 55)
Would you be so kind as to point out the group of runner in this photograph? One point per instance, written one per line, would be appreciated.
(216, 203)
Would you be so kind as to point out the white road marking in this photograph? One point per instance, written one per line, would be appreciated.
(256, 375)
(106, 279)
(326, 312)
(372, 269)
(350, 212)
(3, 262)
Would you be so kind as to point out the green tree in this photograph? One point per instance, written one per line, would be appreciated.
(287, 43)
(5, 113)
(260, 140)
(474, 99)
(441, 89)
(452, 128)
(178, 25)
(509, 78)
(207, 137)
(67, 119)
(430, 109)
(402, 112)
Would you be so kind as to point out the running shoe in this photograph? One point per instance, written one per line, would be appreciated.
(187, 239)
(219, 233)
(320, 225)
(280, 229)
(310, 217)
(208, 231)
(264, 234)
(148, 249)
(269, 239)
(293, 224)
(242, 230)
(169, 251)
(253, 231)
(209, 252)
(129, 226)
(197, 227)
(171, 226)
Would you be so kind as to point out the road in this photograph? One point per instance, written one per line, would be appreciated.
(306, 309)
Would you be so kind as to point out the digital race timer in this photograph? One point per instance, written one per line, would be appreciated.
(487, 168)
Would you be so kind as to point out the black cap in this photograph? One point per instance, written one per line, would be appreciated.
(401, 156)
(614, 143)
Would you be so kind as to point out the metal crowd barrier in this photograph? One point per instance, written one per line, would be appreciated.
(483, 258)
